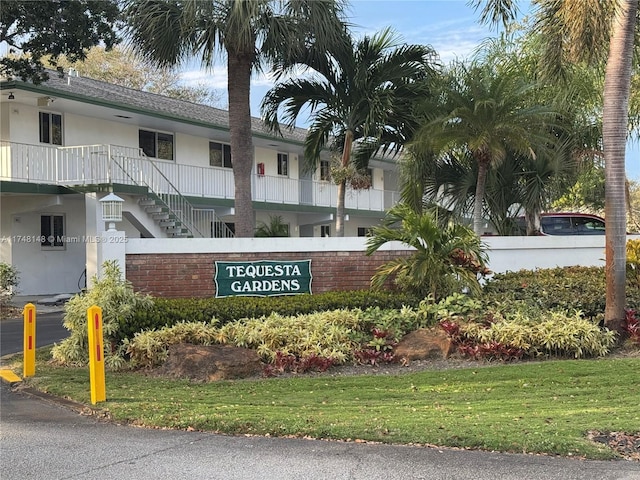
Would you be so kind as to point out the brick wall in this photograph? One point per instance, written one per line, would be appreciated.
(191, 274)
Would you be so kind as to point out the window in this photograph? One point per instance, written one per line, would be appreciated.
(220, 155)
(325, 230)
(364, 231)
(156, 144)
(325, 170)
(283, 164)
(50, 128)
(52, 231)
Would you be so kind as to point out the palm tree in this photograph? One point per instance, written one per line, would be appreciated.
(251, 34)
(576, 30)
(360, 99)
(447, 258)
(275, 228)
(484, 111)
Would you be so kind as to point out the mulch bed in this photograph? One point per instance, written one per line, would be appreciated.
(626, 445)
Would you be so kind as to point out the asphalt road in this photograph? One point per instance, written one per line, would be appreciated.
(49, 330)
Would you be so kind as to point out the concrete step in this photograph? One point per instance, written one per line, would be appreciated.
(147, 202)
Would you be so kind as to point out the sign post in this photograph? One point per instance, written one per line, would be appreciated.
(96, 355)
(29, 362)
(263, 278)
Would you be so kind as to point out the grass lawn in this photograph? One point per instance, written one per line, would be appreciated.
(543, 407)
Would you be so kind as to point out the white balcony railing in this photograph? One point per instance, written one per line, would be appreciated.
(104, 164)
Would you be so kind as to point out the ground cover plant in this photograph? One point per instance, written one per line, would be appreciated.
(544, 407)
(318, 339)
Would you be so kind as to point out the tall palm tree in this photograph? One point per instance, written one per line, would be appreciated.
(615, 115)
(251, 34)
(576, 30)
(360, 98)
(485, 112)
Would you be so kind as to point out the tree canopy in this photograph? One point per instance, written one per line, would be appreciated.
(35, 29)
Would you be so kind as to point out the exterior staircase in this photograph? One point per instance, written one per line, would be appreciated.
(166, 219)
(163, 202)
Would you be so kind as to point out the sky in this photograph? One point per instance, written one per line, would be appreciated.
(451, 27)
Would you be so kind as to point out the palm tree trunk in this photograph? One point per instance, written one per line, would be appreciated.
(478, 222)
(614, 131)
(342, 186)
(238, 84)
(532, 218)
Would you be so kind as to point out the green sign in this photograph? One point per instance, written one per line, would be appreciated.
(263, 278)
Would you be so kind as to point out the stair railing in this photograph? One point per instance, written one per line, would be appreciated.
(132, 164)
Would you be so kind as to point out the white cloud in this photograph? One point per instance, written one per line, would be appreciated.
(214, 78)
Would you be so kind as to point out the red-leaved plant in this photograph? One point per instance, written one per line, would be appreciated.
(290, 363)
(632, 326)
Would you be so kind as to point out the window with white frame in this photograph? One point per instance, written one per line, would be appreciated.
(325, 230)
(325, 170)
(52, 232)
(220, 155)
(283, 164)
(156, 144)
(50, 128)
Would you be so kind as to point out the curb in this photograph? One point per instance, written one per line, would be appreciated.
(9, 377)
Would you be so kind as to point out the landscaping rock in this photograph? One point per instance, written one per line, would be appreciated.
(423, 344)
(209, 363)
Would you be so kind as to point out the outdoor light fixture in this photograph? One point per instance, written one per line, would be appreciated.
(11, 96)
(111, 210)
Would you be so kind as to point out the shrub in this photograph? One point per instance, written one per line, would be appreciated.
(568, 288)
(632, 327)
(554, 333)
(298, 342)
(118, 302)
(633, 261)
(167, 312)
(8, 282)
(150, 348)
(456, 305)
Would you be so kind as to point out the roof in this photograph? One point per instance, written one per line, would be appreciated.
(86, 89)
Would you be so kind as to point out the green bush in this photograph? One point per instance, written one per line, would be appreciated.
(118, 302)
(569, 288)
(167, 312)
(8, 283)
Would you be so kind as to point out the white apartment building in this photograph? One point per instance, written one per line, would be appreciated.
(67, 143)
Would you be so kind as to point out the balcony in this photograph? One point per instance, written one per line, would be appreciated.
(83, 166)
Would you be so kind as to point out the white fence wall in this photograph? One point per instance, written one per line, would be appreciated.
(505, 253)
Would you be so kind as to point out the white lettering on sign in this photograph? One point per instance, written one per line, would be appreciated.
(249, 286)
(253, 271)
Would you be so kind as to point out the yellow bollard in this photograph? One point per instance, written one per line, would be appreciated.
(96, 355)
(29, 362)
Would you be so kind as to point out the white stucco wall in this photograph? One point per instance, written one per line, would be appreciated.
(42, 270)
(505, 253)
